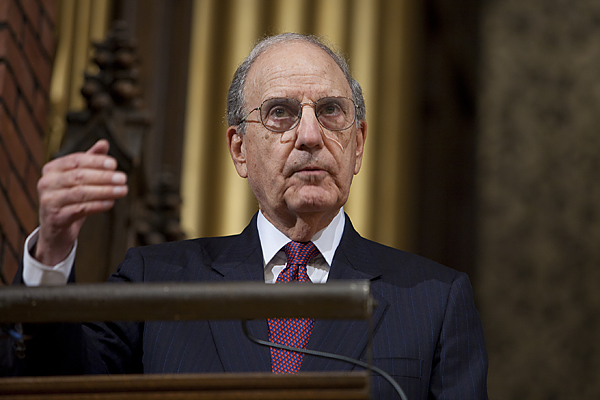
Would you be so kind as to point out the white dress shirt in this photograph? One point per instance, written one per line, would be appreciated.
(274, 258)
(272, 241)
(37, 274)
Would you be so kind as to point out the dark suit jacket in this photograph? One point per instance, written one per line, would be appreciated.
(427, 333)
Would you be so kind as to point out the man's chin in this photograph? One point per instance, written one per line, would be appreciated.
(313, 204)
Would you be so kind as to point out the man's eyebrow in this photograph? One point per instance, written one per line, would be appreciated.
(300, 98)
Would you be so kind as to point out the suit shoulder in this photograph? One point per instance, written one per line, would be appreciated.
(392, 261)
(376, 259)
(208, 247)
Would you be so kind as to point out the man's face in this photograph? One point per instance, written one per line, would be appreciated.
(311, 173)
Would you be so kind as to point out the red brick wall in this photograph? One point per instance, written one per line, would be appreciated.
(26, 51)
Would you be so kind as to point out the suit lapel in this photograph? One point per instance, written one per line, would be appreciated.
(242, 261)
(352, 260)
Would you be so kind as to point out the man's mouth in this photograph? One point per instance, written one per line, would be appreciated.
(310, 172)
(307, 167)
(310, 168)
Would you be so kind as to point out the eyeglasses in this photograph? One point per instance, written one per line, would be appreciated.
(283, 114)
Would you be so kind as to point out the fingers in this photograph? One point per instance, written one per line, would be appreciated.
(100, 147)
(81, 177)
(61, 179)
(52, 201)
(88, 160)
(63, 185)
(78, 185)
(71, 188)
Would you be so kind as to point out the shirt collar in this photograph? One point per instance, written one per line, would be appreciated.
(326, 240)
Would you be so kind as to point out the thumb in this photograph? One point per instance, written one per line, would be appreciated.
(100, 147)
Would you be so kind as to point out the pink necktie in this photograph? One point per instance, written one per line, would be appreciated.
(293, 332)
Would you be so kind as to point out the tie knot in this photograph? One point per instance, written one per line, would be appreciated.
(300, 253)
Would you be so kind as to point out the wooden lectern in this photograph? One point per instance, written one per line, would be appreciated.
(187, 301)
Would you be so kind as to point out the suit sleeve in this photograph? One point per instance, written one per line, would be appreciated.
(116, 347)
(75, 348)
(460, 363)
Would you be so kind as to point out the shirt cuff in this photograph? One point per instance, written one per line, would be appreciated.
(37, 274)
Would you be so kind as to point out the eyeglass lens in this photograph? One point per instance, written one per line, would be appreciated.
(282, 114)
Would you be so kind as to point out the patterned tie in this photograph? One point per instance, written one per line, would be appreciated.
(293, 332)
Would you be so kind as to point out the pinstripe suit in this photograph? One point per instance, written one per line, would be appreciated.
(427, 333)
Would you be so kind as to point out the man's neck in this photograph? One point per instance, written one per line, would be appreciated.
(302, 227)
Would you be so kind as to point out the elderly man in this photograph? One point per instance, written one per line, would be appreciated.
(297, 133)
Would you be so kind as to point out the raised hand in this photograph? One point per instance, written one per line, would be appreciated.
(71, 188)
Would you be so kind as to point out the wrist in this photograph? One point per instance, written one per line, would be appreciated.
(51, 255)
(36, 273)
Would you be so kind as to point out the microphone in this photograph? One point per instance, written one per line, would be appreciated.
(323, 354)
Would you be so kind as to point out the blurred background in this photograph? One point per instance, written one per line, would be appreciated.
(482, 152)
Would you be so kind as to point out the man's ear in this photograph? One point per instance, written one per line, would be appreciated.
(361, 137)
(237, 149)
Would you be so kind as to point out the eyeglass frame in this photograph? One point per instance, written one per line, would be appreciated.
(314, 105)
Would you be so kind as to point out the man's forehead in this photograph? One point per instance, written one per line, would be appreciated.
(296, 63)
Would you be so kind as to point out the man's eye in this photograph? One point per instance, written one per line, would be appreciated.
(330, 109)
(279, 112)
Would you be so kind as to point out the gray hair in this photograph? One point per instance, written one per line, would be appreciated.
(235, 97)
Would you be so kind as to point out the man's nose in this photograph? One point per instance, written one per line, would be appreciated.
(309, 130)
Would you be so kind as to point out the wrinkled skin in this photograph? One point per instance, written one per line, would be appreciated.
(70, 189)
(300, 185)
